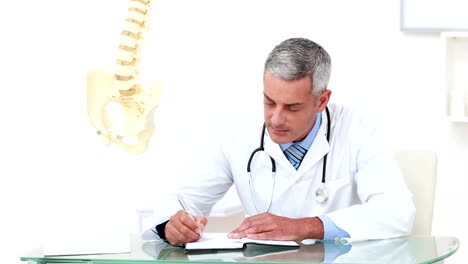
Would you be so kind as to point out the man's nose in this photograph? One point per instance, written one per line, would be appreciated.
(278, 117)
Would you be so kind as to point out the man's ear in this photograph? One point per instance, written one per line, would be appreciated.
(323, 100)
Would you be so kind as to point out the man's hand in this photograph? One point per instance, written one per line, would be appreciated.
(267, 226)
(182, 229)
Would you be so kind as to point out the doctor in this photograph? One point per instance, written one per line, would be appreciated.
(339, 180)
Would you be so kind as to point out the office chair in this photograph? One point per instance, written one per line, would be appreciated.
(420, 169)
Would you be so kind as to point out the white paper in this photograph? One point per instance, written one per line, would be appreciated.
(221, 241)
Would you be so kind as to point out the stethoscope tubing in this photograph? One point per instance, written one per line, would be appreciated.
(324, 169)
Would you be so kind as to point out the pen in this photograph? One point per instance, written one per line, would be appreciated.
(185, 208)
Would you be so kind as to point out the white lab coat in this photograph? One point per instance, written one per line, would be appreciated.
(368, 197)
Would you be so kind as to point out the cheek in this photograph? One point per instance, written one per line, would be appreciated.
(302, 119)
(267, 111)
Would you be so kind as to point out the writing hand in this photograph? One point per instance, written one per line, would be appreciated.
(268, 226)
(183, 228)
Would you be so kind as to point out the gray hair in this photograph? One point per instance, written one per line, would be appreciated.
(296, 58)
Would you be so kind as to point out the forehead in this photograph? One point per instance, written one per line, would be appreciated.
(287, 92)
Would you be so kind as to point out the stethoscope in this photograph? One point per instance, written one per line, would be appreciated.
(321, 195)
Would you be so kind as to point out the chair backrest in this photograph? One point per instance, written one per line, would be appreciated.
(420, 170)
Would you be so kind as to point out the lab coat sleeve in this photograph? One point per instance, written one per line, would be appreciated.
(203, 182)
(208, 178)
(386, 209)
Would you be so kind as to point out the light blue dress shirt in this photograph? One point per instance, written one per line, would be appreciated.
(331, 231)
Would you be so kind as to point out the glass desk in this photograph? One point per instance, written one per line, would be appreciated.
(412, 249)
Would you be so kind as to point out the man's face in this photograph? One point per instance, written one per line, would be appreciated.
(289, 107)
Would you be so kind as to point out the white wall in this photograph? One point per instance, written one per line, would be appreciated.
(56, 176)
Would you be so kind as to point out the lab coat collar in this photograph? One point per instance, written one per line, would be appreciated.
(274, 150)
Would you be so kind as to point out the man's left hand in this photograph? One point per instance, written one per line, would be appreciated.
(267, 226)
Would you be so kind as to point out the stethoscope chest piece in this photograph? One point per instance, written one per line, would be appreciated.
(321, 195)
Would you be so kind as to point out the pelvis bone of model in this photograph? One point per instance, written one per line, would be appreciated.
(123, 87)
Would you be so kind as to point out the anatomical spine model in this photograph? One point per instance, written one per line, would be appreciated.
(124, 87)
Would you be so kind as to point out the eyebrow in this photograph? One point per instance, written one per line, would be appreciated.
(288, 105)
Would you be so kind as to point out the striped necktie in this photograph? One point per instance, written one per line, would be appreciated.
(295, 153)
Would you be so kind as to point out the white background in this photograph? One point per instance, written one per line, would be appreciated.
(434, 15)
(57, 179)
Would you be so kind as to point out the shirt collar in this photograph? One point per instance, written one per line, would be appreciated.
(307, 141)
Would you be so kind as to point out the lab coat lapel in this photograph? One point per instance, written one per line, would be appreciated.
(274, 150)
(316, 152)
(319, 148)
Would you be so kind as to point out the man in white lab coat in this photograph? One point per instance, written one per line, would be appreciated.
(348, 186)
